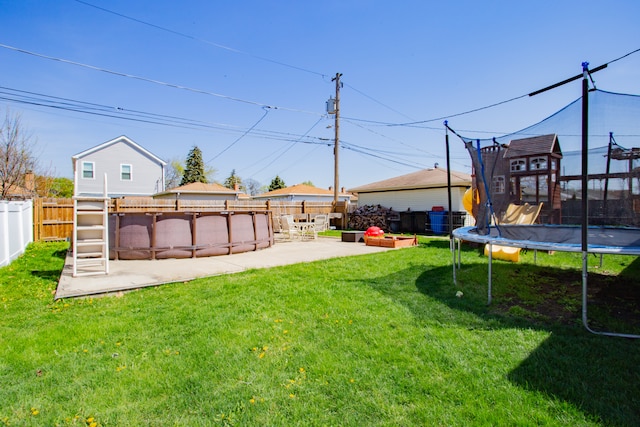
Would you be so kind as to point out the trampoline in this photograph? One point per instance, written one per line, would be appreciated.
(578, 215)
(563, 238)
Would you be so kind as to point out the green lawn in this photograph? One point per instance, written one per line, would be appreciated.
(375, 340)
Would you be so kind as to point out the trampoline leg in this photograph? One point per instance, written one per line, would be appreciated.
(452, 248)
(585, 317)
(489, 274)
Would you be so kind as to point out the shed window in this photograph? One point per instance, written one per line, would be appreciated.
(125, 172)
(518, 165)
(87, 170)
(538, 163)
(498, 184)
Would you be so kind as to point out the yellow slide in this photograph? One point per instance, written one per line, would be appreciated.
(506, 253)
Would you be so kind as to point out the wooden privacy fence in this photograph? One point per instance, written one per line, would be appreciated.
(53, 218)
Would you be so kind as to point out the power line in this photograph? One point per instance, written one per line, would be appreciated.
(290, 146)
(480, 108)
(83, 107)
(266, 111)
(378, 102)
(188, 36)
(148, 80)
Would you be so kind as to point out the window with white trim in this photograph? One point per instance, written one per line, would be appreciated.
(125, 172)
(498, 184)
(88, 169)
(538, 163)
(518, 165)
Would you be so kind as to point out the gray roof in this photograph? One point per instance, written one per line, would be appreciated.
(122, 139)
(426, 178)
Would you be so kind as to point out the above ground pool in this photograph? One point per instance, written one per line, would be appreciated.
(159, 235)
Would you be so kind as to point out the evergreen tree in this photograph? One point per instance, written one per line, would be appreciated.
(233, 180)
(194, 168)
(277, 183)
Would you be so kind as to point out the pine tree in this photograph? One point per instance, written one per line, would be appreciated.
(233, 180)
(277, 183)
(194, 168)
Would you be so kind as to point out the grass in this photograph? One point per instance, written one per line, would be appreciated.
(375, 340)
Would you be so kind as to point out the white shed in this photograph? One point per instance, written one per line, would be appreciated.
(417, 191)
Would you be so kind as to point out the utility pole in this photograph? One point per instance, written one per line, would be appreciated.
(336, 178)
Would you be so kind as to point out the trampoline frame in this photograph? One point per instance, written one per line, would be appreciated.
(466, 234)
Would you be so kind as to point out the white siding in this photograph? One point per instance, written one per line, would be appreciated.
(416, 200)
(146, 172)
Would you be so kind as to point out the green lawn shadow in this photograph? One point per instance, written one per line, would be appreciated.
(600, 375)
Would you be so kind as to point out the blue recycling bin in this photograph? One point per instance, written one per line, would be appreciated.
(437, 221)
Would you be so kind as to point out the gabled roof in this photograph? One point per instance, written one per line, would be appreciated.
(119, 139)
(542, 144)
(297, 190)
(426, 178)
(200, 188)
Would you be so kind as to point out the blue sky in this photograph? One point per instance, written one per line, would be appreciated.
(261, 74)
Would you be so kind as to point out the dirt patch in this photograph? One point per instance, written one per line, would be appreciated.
(557, 297)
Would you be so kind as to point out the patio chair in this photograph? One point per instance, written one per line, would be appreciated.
(321, 222)
(289, 228)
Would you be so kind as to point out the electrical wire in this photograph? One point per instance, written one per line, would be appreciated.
(48, 101)
(378, 102)
(158, 82)
(218, 45)
(266, 111)
(289, 147)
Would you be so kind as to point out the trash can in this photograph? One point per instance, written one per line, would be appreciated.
(437, 221)
(406, 222)
(420, 222)
(458, 219)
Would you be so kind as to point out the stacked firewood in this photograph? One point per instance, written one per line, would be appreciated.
(371, 216)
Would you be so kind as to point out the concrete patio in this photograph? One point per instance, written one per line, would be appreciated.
(128, 275)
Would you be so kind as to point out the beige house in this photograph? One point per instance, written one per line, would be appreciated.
(199, 191)
(417, 191)
(303, 192)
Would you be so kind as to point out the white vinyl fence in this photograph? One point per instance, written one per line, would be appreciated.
(16, 229)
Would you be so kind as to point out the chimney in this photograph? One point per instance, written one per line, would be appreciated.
(30, 182)
(236, 187)
(342, 190)
(331, 188)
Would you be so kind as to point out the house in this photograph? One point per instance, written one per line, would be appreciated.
(417, 191)
(20, 192)
(199, 191)
(130, 169)
(304, 192)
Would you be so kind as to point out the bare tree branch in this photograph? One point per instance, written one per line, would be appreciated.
(16, 155)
